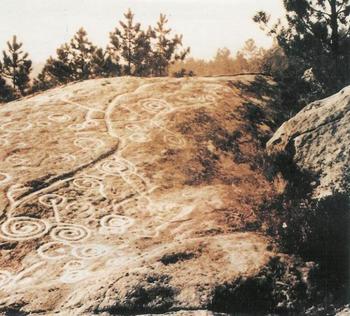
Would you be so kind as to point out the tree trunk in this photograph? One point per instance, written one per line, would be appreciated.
(335, 35)
(14, 77)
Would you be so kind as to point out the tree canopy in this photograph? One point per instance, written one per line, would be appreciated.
(16, 66)
(315, 39)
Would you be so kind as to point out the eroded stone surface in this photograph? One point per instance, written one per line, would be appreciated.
(130, 194)
(317, 138)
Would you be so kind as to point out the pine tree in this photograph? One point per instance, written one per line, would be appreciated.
(6, 92)
(74, 61)
(59, 70)
(143, 53)
(253, 56)
(82, 51)
(165, 51)
(223, 63)
(16, 66)
(316, 38)
(103, 65)
(45, 80)
(130, 45)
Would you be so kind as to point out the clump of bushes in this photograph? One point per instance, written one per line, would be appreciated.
(316, 230)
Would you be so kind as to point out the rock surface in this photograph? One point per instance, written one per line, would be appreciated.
(131, 195)
(317, 139)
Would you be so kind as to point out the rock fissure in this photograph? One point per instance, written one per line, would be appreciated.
(69, 174)
(319, 126)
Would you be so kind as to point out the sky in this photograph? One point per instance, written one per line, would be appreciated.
(206, 25)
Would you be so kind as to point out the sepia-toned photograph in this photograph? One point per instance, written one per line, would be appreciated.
(175, 157)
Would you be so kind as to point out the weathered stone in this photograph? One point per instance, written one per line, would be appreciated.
(131, 195)
(312, 151)
(317, 140)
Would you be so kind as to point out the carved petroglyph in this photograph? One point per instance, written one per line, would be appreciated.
(88, 143)
(70, 233)
(116, 166)
(4, 178)
(83, 126)
(59, 118)
(84, 208)
(86, 183)
(80, 209)
(61, 159)
(54, 250)
(14, 127)
(14, 191)
(23, 228)
(115, 224)
(90, 251)
(139, 137)
(53, 201)
(17, 160)
(75, 271)
(174, 140)
(74, 276)
(155, 105)
(43, 124)
(204, 98)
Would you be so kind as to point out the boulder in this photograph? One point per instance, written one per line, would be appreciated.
(132, 195)
(312, 152)
(317, 141)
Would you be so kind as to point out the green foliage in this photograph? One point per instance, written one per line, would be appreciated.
(77, 60)
(249, 59)
(74, 61)
(165, 51)
(6, 92)
(81, 55)
(58, 70)
(145, 53)
(131, 51)
(16, 67)
(317, 230)
(183, 73)
(103, 65)
(131, 45)
(315, 43)
(278, 289)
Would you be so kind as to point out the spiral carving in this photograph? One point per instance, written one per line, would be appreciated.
(90, 251)
(88, 143)
(174, 140)
(86, 183)
(70, 233)
(116, 224)
(23, 228)
(155, 105)
(49, 200)
(139, 137)
(54, 250)
(116, 166)
(74, 276)
(80, 209)
(59, 118)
